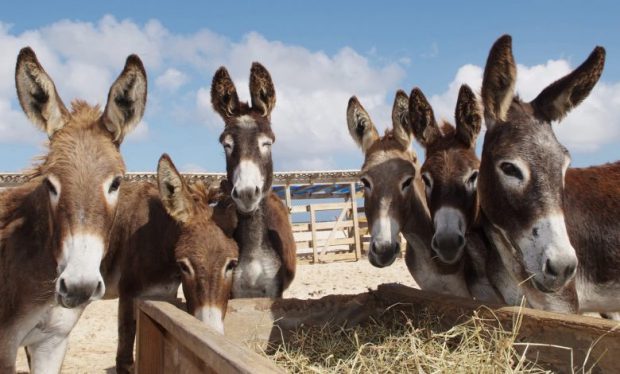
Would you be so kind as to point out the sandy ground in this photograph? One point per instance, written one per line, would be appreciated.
(92, 345)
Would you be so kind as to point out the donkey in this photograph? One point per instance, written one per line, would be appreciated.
(165, 235)
(450, 173)
(543, 217)
(394, 199)
(267, 252)
(55, 229)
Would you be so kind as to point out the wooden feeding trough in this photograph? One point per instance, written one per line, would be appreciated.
(170, 340)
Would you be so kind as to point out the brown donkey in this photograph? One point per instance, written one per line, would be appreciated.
(266, 244)
(544, 218)
(55, 229)
(165, 235)
(450, 173)
(394, 199)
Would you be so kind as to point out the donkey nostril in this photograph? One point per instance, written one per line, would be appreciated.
(99, 288)
(550, 270)
(570, 270)
(461, 241)
(234, 193)
(63, 287)
(256, 191)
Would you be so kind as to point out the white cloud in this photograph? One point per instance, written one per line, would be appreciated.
(592, 124)
(171, 79)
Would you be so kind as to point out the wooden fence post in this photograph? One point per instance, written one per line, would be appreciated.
(315, 258)
(356, 223)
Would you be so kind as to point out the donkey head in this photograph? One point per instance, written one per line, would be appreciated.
(247, 136)
(206, 256)
(450, 169)
(83, 170)
(523, 165)
(389, 174)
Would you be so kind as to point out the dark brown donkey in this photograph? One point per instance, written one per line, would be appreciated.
(165, 235)
(55, 229)
(266, 244)
(450, 173)
(394, 199)
(548, 222)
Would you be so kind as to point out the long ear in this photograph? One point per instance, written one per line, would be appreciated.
(37, 94)
(126, 100)
(173, 191)
(468, 117)
(262, 90)
(400, 119)
(498, 82)
(422, 119)
(555, 101)
(360, 125)
(224, 96)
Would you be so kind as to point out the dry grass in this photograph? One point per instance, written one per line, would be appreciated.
(400, 343)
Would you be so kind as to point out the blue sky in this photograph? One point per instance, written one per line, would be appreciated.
(319, 54)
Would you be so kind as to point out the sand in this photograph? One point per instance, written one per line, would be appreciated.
(92, 344)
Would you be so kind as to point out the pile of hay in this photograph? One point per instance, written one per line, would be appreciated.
(400, 343)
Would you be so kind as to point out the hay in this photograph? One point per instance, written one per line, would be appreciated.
(400, 341)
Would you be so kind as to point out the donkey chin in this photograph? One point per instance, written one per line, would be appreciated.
(80, 280)
(548, 254)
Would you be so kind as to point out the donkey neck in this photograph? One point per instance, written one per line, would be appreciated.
(251, 231)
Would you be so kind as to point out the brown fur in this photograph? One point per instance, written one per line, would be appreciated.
(389, 165)
(586, 197)
(264, 235)
(69, 195)
(152, 240)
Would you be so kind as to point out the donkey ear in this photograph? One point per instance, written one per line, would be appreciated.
(422, 119)
(173, 191)
(555, 101)
(126, 100)
(262, 90)
(224, 96)
(498, 82)
(468, 117)
(37, 94)
(360, 125)
(400, 119)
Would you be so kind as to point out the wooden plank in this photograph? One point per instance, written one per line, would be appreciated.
(289, 204)
(329, 206)
(547, 330)
(334, 229)
(321, 226)
(219, 354)
(149, 346)
(313, 230)
(356, 227)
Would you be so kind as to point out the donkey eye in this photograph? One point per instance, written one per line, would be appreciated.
(427, 180)
(366, 183)
(511, 170)
(184, 267)
(407, 183)
(267, 144)
(473, 177)
(232, 264)
(50, 187)
(116, 183)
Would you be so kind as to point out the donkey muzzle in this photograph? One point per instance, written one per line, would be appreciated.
(71, 294)
(382, 254)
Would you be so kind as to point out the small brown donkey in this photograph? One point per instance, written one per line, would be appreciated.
(165, 235)
(55, 229)
(394, 199)
(547, 221)
(450, 173)
(266, 244)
